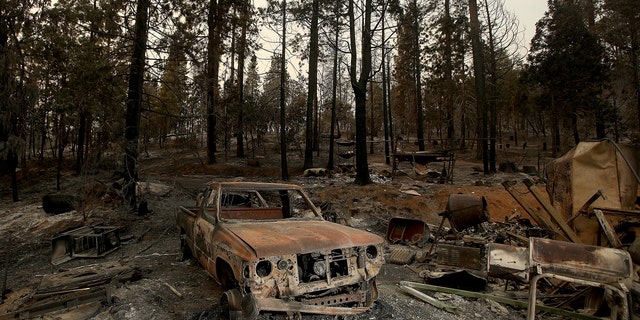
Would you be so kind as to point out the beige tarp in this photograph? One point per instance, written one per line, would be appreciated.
(591, 166)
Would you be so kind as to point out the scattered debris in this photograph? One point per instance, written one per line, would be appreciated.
(504, 300)
(316, 172)
(428, 299)
(84, 242)
(83, 278)
(73, 294)
(419, 160)
(476, 251)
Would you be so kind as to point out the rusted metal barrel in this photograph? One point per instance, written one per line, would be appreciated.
(466, 211)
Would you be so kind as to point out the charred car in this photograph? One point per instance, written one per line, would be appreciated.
(270, 248)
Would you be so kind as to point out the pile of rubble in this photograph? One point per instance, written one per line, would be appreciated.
(552, 263)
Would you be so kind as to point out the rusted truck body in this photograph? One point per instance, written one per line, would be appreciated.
(268, 245)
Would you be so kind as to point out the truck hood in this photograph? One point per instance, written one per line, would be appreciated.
(293, 237)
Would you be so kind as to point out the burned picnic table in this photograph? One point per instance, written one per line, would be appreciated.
(425, 157)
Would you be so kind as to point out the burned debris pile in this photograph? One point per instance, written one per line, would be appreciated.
(573, 254)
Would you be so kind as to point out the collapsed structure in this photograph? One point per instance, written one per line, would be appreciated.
(584, 237)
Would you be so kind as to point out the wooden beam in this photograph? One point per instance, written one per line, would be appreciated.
(541, 220)
(608, 230)
(566, 229)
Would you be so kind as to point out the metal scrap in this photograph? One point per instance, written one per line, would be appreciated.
(407, 231)
(583, 264)
(84, 242)
(512, 251)
(428, 299)
(508, 301)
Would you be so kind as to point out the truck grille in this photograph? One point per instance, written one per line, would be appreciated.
(323, 267)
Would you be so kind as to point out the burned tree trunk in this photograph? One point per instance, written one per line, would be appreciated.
(134, 102)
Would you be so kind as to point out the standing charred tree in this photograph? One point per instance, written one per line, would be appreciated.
(418, 71)
(492, 92)
(134, 102)
(385, 99)
(359, 85)
(215, 22)
(283, 75)
(478, 73)
(334, 84)
(242, 47)
(313, 85)
(447, 28)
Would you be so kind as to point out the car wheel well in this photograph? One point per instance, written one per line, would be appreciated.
(225, 274)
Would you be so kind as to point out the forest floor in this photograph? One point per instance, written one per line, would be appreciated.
(151, 242)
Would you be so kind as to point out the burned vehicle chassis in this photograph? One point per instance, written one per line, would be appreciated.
(269, 246)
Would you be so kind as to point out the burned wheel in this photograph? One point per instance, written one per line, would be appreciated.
(235, 305)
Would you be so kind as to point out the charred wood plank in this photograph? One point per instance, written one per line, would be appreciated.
(541, 220)
(566, 229)
(607, 229)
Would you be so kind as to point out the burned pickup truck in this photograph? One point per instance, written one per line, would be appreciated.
(270, 248)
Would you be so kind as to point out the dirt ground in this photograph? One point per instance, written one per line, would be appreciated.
(170, 289)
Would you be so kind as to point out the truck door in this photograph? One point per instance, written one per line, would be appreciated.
(203, 230)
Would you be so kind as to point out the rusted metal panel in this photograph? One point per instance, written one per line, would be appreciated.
(583, 264)
(460, 256)
(281, 237)
(580, 261)
(400, 255)
(508, 262)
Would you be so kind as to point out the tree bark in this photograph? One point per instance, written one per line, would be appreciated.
(448, 70)
(385, 116)
(283, 73)
(492, 93)
(241, 60)
(313, 85)
(418, 75)
(134, 102)
(359, 86)
(214, 22)
(334, 88)
(478, 72)
(635, 47)
(7, 116)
